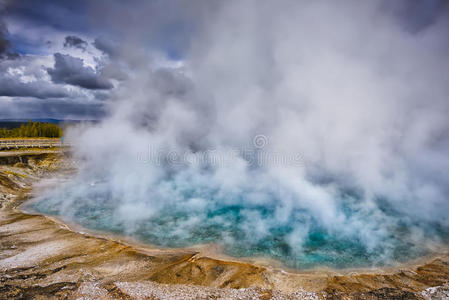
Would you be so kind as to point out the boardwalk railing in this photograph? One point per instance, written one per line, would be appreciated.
(31, 143)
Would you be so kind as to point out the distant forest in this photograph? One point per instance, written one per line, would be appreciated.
(32, 129)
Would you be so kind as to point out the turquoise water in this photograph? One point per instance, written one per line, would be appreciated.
(299, 240)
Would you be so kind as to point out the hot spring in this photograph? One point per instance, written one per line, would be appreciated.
(188, 207)
(358, 90)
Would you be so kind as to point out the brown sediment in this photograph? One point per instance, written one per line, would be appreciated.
(40, 257)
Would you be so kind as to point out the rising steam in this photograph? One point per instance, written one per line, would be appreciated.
(348, 103)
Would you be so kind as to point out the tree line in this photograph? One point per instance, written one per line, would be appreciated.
(32, 129)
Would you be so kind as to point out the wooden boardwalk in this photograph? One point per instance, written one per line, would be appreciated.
(6, 144)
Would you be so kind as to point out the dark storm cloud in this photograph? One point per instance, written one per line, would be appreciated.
(12, 87)
(25, 88)
(24, 77)
(76, 42)
(61, 15)
(415, 16)
(53, 108)
(71, 70)
(106, 46)
(113, 67)
(5, 44)
(101, 95)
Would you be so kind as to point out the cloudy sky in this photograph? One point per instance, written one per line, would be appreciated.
(64, 59)
(55, 58)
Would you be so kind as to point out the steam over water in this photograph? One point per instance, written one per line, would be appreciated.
(198, 214)
(346, 102)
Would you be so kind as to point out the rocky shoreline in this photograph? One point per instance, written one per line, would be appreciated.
(42, 258)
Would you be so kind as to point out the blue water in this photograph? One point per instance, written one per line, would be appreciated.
(299, 241)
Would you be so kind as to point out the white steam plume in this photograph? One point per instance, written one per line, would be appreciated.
(346, 86)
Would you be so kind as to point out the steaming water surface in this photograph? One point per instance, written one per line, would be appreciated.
(202, 216)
